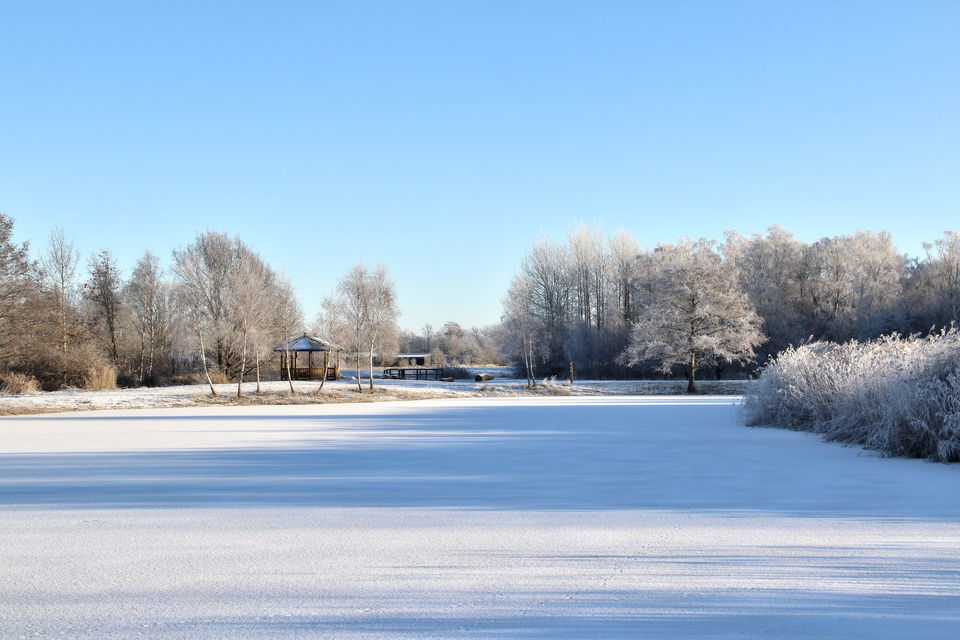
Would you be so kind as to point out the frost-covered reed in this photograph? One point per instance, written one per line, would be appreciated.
(899, 395)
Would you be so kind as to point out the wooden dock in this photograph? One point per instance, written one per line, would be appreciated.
(413, 373)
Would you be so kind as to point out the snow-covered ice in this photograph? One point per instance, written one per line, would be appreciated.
(553, 517)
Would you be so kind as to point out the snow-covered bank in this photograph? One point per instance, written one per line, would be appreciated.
(567, 517)
(342, 391)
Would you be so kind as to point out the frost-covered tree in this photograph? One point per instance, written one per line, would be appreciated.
(546, 276)
(59, 267)
(934, 284)
(233, 299)
(205, 266)
(363, 310)
(771, 272)
(696, 313)
(854, 285)
(624, 255)
(523, 324)
(149, 301)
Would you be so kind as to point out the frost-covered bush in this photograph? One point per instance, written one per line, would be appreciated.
(899, 395)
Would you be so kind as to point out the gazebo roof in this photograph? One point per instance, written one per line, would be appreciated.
(308, 343)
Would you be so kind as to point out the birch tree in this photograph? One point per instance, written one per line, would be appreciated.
(59, 265)
(364, 308)
(195, 296)
(149, 300)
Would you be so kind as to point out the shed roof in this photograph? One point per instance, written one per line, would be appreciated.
(308, 343)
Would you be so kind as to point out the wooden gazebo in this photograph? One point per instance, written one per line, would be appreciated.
(304, 365)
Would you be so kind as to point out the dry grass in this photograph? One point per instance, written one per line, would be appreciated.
(27, 411)
(216, 376)
(100, 378)
(333, 396)
(16, 384)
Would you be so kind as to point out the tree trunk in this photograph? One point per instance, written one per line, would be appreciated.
(114, 351)
(286, 364)
(203, 360)
(359, 346)
(571, 373)
(692, 373)
(323, 378)
(257, 360)
(528, 361)
(243, 363)
(371, 367)
(151, 352)
(143, 351)
(63, 330)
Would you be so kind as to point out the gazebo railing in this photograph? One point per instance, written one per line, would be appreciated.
(309, 373)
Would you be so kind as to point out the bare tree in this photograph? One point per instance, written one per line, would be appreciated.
(934, 289)
(364, 307)
(59, 265)
(18, 291)
(213, 260)
(103, 290)
(149, 301)
(428, 335)
(286, 319)
(521, 319)
(624, 251)
(194, 297)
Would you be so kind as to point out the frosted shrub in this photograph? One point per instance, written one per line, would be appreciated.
(899, 395)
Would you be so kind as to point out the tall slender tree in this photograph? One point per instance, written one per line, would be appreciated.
(103, 290)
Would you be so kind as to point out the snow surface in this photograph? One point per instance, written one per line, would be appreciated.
(186, 395)
(555, 517)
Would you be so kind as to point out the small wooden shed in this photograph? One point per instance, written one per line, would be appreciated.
(310, 358)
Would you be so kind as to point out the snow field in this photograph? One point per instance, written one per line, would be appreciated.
(564, 517)
(344, 391)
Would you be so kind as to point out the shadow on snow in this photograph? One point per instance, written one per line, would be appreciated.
(579, 457)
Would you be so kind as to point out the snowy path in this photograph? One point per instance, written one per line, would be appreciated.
(618, 517)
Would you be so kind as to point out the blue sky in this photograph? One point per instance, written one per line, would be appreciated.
(445, 138)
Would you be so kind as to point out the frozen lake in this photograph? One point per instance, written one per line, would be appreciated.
(572, 517)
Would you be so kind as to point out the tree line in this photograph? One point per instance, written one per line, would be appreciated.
(606, 307)
(213, 316)
(217, 312)
(591, 306)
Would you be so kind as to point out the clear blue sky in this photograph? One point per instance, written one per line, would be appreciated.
(445, 138)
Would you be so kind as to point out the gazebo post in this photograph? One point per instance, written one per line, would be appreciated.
(309, 365)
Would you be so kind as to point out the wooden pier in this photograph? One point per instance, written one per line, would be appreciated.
(413, 373)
